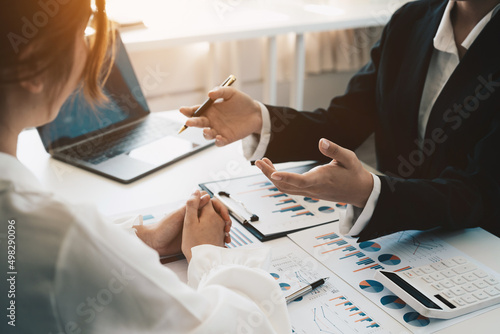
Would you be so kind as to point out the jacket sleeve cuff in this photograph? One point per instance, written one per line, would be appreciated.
(255, 146)
(356, 219)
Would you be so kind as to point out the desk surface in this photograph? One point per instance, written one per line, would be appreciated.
(177, 181)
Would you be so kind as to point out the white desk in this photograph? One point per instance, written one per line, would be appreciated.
(238, 20)
(177, 181)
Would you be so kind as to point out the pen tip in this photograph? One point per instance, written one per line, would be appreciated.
(326, 279)
(182, 129)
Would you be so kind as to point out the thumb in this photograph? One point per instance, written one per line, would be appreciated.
(192, 207)
(337, 152)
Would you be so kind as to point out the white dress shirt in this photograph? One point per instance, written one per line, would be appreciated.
(77, 273)
(444, 60)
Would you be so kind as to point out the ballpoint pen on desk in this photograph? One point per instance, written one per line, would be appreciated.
(221, 195)
(305, 290)
(208, 103)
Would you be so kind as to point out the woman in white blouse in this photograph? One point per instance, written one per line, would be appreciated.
(72, 271)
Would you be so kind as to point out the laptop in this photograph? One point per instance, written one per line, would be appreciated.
(120, 140)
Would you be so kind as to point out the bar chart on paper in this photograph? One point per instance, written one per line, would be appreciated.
(335, 307)
(277, 211)
(357, 263)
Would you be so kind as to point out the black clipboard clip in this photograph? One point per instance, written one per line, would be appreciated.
(232, 203)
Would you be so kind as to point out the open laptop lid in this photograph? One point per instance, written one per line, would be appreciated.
(77, 120)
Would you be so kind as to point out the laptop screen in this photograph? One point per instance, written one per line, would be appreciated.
(77, 120)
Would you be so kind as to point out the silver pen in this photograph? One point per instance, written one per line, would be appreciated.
(305, 290)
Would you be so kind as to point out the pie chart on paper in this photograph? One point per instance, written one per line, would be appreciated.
(389, 259)
(371, 286)
(392, 302)
(369, 246)
(415, 319)
(326, 209)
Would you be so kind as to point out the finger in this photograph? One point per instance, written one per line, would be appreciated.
(221, 141)
(188, 111)
(225, 93)
(342, 155)
(204, 200)
(192, 207)
(198, 122)
(222, 210)
(209, 134)
(228, 238)
(269, 162)
(292, 179)
(265, 168)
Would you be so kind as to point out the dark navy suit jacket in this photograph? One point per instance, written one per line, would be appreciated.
(454, 181)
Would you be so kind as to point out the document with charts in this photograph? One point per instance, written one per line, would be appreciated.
(278, 213)
(335, 307)
(356, 264)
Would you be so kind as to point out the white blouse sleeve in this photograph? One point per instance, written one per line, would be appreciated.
(108, 281)
(127, 223)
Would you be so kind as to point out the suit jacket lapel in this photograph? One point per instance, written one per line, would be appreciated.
(481, 61)
(414, 72)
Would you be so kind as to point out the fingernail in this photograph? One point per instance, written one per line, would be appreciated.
(276, 177)
(325, 144)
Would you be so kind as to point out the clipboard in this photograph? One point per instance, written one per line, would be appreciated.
(266, 212)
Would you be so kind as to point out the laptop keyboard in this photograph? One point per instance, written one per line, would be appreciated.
(115, 143)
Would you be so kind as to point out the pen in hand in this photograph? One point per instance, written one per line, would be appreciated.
(305, 290)
(208, 103)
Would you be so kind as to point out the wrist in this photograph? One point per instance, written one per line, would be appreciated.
(365, 190)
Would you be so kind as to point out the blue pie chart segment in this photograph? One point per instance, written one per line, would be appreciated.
(389, 259)
(341, 205)
(392, 302)
(276, 276)
(326, 209)
(285, 286)
(311, 200)
(415, 319)
(369, 246)
(371, 286)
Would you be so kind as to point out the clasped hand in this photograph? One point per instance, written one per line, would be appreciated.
(201, 221)
(342, 180)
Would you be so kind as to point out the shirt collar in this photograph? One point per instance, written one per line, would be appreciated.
(12, 171)
(444, 40)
